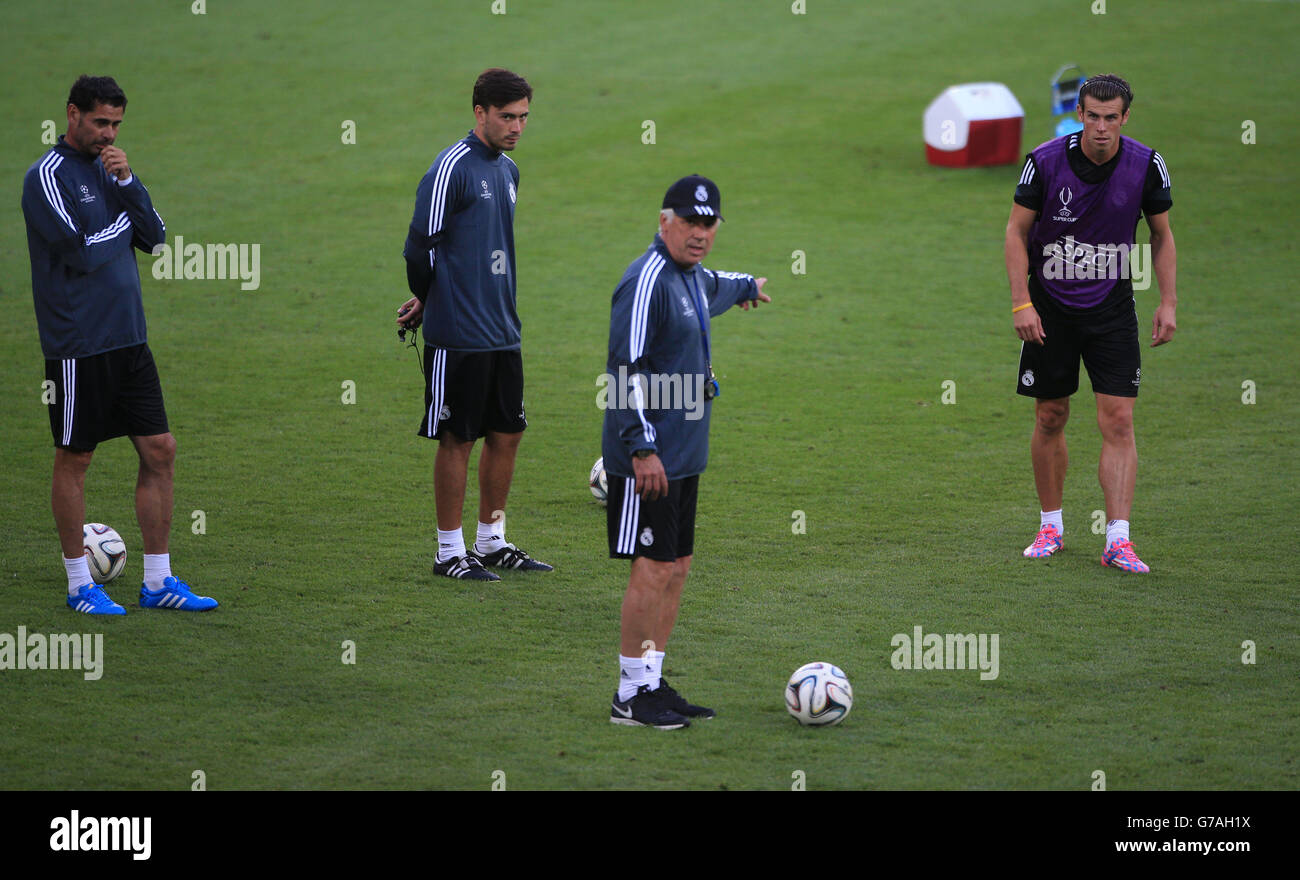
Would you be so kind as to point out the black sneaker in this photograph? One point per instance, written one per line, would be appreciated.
(678, 704)
(646, 708)
(512, 557)
(464, 567)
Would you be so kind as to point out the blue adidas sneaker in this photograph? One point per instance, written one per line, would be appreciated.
(91, 599)
(175, 594)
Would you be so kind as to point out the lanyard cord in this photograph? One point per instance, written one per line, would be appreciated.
(699, 315)
(711, 387)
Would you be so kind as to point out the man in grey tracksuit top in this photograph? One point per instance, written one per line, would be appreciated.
(87, 212)
(460, 267)
(659, 387)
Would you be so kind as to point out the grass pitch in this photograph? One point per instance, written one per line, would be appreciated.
(318, 514)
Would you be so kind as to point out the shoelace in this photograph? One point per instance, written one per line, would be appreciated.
(662, 697)
(513, 556)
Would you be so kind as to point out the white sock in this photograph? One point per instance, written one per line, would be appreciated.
(157, 568)
(78, 573)
(1116, 530)
(1051, 517)
(632, 674)
(451, 544)
(654, 667)
(491, 536)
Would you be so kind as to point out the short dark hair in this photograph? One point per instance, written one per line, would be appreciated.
(497, 87)
(1106, 87)
(89, 91)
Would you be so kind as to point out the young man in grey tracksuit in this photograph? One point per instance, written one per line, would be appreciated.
(460, 267)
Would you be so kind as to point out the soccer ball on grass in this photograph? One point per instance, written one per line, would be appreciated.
(818, 695)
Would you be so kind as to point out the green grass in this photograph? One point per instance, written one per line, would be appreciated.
(319, 514)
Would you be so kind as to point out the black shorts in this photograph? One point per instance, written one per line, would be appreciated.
(470, 393)
(1107, 342)
(663, 529)
(97, 398)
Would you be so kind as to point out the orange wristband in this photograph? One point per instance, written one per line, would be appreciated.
(1018, 308)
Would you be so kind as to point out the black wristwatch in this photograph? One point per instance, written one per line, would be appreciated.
(644, 453)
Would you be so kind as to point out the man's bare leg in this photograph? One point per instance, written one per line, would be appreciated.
(154, 489)
(1048, 451)
(68, 499)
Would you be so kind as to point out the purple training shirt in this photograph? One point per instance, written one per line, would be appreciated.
(1079, 245)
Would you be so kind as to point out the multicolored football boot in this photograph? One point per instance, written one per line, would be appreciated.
(1120, 555)
(1045, 544)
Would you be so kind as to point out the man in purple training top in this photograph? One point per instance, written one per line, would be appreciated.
(1070, 254)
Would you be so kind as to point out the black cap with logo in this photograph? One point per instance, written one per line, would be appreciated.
(694, 196)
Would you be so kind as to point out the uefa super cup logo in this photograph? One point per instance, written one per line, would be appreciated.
(1065, 195)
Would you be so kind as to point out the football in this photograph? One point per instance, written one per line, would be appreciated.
(599, 482)
(819, 695)
(105, 552)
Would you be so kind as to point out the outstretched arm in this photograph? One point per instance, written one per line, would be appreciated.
(762, 297)
(725, 289)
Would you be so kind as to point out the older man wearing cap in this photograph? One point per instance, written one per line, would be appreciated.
(656, 435)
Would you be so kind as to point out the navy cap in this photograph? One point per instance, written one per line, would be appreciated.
(694, 196)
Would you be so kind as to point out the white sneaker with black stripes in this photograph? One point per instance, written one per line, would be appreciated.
(466, 568)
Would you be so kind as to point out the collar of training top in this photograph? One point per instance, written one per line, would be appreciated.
(483, 148)
(662, 250)
(66, 149)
